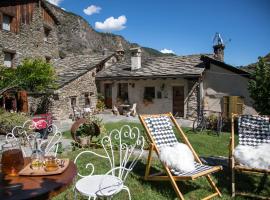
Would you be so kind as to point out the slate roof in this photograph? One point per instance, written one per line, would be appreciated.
(156, 67)
(72, 67)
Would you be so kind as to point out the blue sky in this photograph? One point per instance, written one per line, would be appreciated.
(184, 26)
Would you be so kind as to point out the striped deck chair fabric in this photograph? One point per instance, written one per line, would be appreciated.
(253, 130)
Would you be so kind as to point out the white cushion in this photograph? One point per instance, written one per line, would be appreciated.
(99, 185)
(254, 157)
(178, 157)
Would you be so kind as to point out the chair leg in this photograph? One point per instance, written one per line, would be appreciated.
(173, 182)
(126, 188)
(233, 183)
(148, 166)
(213, 185)
(75, 194)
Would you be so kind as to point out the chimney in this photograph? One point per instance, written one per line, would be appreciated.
(105, 52)
(136, 58)
(120, 52)
(218, 48)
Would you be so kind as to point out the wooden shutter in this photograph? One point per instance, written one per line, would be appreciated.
(226, 106)
(232, 104)
(240, 105)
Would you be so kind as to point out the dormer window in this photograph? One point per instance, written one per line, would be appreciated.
(6, 22)
(46, 34)
(8, 59)
(48, 59)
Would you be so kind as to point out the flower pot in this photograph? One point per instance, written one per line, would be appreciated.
(84, 141)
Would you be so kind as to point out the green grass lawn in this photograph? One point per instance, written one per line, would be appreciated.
(206, 144)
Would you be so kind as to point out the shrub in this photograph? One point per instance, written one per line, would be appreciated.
(100, 103)
(9, 120)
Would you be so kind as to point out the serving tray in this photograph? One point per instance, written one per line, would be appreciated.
(28, 171)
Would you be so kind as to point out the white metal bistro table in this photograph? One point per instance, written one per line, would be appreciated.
(123, 108)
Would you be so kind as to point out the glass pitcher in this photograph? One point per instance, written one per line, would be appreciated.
(12, 161)
(37, 157)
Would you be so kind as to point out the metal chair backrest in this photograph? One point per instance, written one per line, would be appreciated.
(27, 133)
(129, 143)
(253, 130)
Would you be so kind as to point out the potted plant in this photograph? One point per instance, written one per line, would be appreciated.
(87, 130)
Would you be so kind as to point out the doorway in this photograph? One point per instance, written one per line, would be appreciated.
(178, 101)
(108, 95)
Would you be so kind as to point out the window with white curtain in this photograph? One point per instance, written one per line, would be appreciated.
(8, 58)
(6, 22)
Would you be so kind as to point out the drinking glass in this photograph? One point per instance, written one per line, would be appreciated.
(51, 163)
(12, 159)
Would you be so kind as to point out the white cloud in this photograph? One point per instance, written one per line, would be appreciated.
(55, 2)
(92, 10)
(112, 24)
(166, 51)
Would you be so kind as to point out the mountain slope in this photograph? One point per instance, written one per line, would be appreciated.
(251, 67)
(76, 36)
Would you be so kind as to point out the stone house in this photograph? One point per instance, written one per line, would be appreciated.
(183, 85)
(28, 29)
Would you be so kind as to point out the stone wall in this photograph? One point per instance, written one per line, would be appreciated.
(193, 99)
(61, 107)
(39, 103)
(29, 41)
(220, 82)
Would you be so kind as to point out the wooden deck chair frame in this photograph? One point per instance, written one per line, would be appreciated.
(241, 169)
(170, 177)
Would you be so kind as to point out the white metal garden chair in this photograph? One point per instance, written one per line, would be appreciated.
(132, 111)
(26, 134)
(130, 145)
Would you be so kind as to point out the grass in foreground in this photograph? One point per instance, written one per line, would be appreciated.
(207, 144)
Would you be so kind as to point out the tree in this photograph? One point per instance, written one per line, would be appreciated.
(259, 87)
(33, 75)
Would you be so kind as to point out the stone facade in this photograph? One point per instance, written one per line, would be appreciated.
(193, 99)
(219, 82)
(29, 41)
(84, 84)
(162, 104)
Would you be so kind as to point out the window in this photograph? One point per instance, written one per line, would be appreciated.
(46, 34)
(6, 22)
(87, 100)
(149, 93)
(48, 59)
(8, 59)
(73, 101)
(123, 91)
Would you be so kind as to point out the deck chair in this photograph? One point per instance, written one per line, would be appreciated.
(160, 133)
(253, 130)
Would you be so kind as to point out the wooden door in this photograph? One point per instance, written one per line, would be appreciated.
(178, 101)
(22, 102)
(108, 95)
